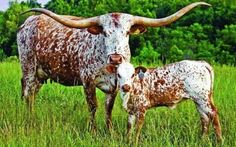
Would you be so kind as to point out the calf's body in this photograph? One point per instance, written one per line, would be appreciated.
(143, 88)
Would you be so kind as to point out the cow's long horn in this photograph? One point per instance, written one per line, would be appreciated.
(152, 22)
(83, 23)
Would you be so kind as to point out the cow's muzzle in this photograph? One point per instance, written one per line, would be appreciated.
(126, 88)
(115, 59)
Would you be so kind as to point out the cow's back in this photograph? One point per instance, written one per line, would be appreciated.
(53, 46)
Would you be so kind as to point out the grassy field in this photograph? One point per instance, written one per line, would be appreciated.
(61, 116)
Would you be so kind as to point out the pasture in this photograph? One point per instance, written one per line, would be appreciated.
(61, 116)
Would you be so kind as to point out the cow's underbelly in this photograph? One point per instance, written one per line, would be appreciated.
(65, 77)
(61, 73)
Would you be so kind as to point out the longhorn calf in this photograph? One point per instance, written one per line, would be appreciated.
(144, 88)
(72, 51)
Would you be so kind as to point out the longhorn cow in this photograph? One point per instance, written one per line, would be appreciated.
(71, 51)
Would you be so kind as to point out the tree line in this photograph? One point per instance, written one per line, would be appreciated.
(205, 33)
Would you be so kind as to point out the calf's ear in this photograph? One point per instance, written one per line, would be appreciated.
(140, 70)
(95, 30)
(110, 68)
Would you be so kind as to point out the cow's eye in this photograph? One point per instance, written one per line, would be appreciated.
(118, 75)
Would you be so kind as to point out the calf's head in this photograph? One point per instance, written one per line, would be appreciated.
(127, 75)
(115, 29)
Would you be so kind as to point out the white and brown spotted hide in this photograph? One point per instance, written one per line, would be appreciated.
(143, 88)
(70, 56)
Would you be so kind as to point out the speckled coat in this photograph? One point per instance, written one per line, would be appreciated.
(143, 88)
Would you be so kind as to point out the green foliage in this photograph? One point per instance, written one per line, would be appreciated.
(205, 33)
(59, 6)
(228, 36)
(206, 51)
(176, 54)
(9, 23)
(226, 41)
(2, 55)
(226, 58)
(147, 54)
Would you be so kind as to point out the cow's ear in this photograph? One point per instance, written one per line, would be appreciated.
(110, 68)
(140, 69)
(95, 30)
(137, 29)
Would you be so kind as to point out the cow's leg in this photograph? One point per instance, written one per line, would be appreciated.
(30, 87)
(90, 91)
(30, 81)
(110, 99)
(22, 88)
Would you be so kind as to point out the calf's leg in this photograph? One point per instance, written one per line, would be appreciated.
(130, 126)
(139, 124)
(216, 122)
(208, 113)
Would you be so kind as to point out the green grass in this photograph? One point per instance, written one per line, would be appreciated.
(61, 116)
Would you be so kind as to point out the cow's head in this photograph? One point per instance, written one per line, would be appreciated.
(116, 28)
